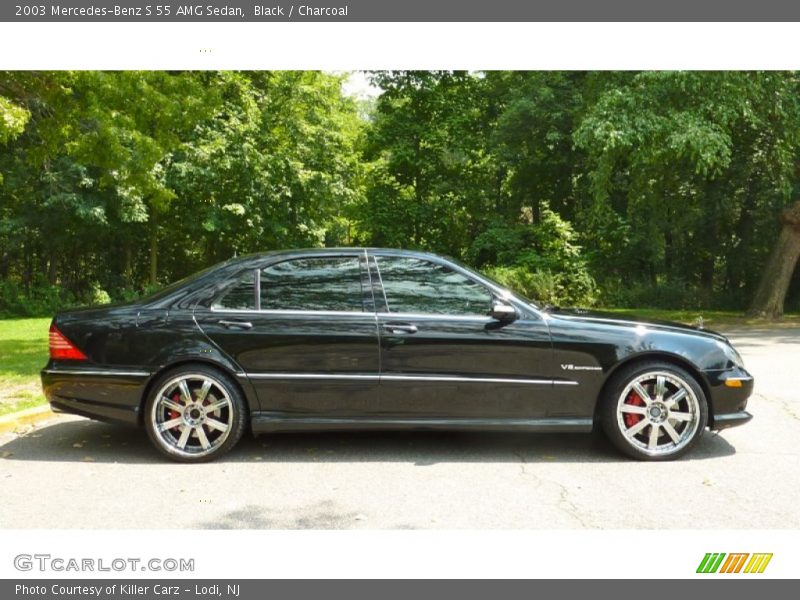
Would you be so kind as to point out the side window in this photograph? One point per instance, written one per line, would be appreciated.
(240, 296)
(418, 286)
(325, 283)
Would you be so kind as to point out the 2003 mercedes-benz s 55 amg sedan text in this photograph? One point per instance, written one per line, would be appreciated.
(383, 339)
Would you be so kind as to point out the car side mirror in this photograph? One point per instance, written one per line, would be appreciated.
(503, 311)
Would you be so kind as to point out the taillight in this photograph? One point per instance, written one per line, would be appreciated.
(61, 348)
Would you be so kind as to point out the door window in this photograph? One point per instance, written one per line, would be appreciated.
(240, 296)
(324, 284)
(418, 286)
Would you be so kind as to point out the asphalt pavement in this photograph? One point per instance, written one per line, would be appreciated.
(70, 472)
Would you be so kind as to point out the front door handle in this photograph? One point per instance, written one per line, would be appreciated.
(236, 324)
(400, 329)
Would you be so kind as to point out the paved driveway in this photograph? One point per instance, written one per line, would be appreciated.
(70, 472)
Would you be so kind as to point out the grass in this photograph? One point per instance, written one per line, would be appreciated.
(23, 347)
(23, 353)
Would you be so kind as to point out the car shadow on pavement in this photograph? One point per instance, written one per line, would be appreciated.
(94, 442)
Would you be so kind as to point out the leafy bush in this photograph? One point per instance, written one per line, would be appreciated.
(672, 295)
(99, 296)
(558, 289)
(42, 300)
(668, 295)
(540, 260)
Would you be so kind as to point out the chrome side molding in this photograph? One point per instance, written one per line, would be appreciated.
(101, 372)
(378, 377)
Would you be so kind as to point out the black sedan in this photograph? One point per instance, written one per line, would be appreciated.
(383, 339)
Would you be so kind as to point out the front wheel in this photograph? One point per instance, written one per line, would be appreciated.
(195, 414)
(654, 411)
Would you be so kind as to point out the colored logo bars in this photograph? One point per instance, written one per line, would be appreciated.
(713, 563)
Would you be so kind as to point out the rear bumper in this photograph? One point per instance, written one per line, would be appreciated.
(102, 394)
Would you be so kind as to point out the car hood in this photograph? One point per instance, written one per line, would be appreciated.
(580, 314)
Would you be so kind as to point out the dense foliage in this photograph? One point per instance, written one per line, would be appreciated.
(635, 188)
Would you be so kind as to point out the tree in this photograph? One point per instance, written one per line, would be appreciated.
(432, 178)
(661, 187)
(123, 180)
(536, 114)
(12, 120)
(771, 294)
(277, 166)
(696, 164)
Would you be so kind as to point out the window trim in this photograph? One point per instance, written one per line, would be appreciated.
(272, 311)
(434, 316)
(257, 288)
(380, 283)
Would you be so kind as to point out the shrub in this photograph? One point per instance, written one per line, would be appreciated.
(546, 287)
(99, 296)
(42, 300)
(668, 295)
(540, 260)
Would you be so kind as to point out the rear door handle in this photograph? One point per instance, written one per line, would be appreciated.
(400, 329)
(236, 324)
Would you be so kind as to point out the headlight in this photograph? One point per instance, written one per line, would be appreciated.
(731, 354)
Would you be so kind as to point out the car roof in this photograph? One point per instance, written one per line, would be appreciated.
(338, 250)
(242, 263)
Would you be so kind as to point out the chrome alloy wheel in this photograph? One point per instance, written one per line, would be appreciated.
(192, 415)
(658, 413)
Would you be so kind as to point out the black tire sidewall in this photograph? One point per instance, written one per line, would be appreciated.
(239, 409)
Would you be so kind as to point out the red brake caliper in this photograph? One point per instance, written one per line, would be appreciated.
(630, 418)
(173, 414)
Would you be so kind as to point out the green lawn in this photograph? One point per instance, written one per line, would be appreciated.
(23, 353)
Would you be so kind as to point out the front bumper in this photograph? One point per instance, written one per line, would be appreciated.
(729, 391)
(728, 420)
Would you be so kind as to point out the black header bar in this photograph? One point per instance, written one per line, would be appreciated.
(399, 10)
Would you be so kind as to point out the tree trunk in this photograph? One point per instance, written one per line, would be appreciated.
(127, 269)
(5, 264)
(707, 274)
(771, 293)
(738, 264)
(52, 269)
(668, 249)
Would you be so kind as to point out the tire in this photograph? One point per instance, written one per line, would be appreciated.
(666, 423)
(195, 413)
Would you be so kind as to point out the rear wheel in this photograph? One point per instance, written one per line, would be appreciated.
(195, 414)
(654, 411)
